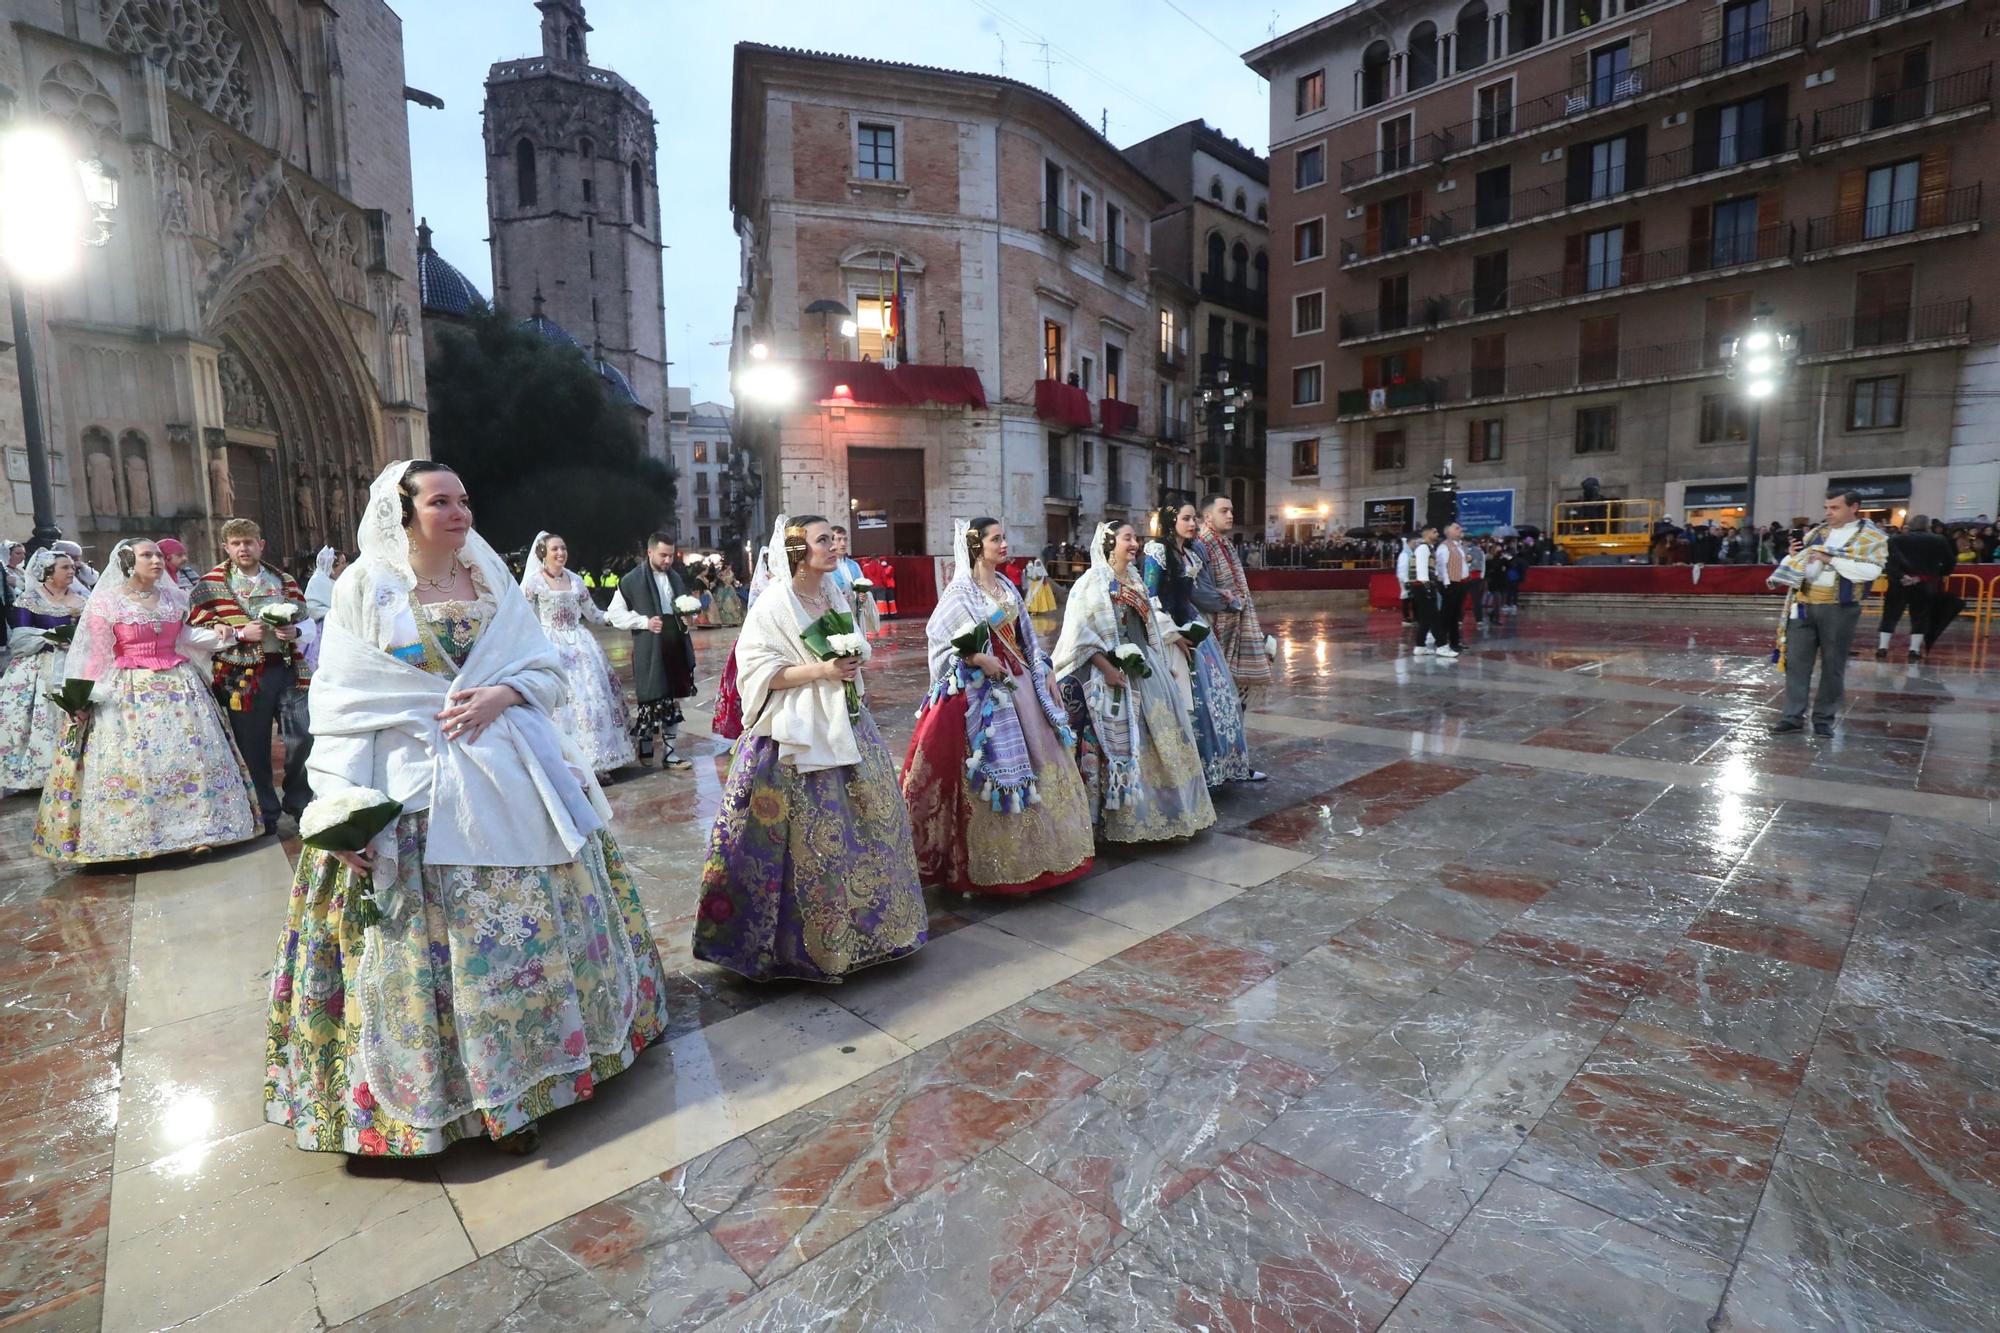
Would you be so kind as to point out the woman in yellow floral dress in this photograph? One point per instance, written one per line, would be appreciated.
(486, 960)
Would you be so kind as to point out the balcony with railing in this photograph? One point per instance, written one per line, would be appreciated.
(1224, 290)
(1898, 222)
(1118, 259)
(1171, 358)
(1065, 486)
(1172, 431)
(1240, 370)
(1118, 491)
(1059, 222)
(1704, 160)
(1846, 18)
(1672, 73)
(1574, 284)
(1955, 96)
(1898, 328)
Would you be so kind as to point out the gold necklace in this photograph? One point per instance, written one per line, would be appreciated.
(444, 584)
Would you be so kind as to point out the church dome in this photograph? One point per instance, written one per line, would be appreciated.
(614, 378)
(442, 288)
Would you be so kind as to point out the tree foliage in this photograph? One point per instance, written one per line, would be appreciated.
(541, 443)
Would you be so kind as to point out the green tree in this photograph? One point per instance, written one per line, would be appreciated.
(542, 444)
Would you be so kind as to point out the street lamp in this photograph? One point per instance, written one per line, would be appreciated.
(53, 205)
(1757, 360)
(1228, 407)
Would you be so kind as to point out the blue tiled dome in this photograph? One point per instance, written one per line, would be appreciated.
(554, 332)
(621, 388)
(442, 288)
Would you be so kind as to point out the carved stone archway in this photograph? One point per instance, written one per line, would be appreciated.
(302, 432)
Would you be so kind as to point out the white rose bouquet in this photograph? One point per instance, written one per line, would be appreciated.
(279, 615)
(1131, 660)
(1194, 632)
(830, 637)
(347, 821)
(688, 606)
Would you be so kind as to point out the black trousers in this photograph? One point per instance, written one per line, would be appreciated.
(1451, 613)
(1917, 598)
(1424, 601)
(252, 728)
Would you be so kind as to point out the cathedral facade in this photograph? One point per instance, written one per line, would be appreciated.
(248, 341)
(573, 198)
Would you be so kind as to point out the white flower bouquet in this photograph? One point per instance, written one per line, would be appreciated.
(832, 636)
(971, 638)
(688, 606)
(347, 821)
(280, 615)
(1131, 659)
(1194, 632)
(863, 586)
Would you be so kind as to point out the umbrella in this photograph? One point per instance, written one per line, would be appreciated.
(826, 307)
(823, 308)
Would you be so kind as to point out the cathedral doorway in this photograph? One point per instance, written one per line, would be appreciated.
(300, 439)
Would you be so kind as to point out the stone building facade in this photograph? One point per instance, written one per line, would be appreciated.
(1020, 235)
(1215, 239)
(573, 200)
(1526, 231)
(246, 342)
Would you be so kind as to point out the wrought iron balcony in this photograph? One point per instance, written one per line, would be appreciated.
(1966, 90)
(1898, 218)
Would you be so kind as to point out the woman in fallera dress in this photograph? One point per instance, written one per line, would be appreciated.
(810, 870)
(1215, 713)
(594, 713)
(50, 599)
(1041, 594)
(150, 767)
(1135, 749)
(728, 598)
(996, 803)
(486, 960)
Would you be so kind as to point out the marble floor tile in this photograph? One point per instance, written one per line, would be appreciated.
(1921, 982)
(1314, 1013)
(1905, 1102)
(192, 1082)
(1423, 1116)
(1100, 1020)
(953, 983)
(1530, 1258)
(1262, 1243)
(1144, 897)
(530, 1285)
(650, 1254)
(1290, 915)
(1204, 972)
(1237, 862)
(1829, 1251)
(1149, 1133)
(1062, 929)
(1755, 924)
(783, 1193)
(989, 1248)
(1762, 1006)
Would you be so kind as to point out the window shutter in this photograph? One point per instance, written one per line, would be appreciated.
(1775, 103)
(1707, 137)
(1642, 50)
(1572, 264)
(1579, 69)
(1419, 224)
(1711, 22)
(1851, 212)
(1635, 157)
(1371, 372)
(1770, 218)
(1699, 248)
(1371, 230)
(1413, 364)
(1634, 264)
(1578, 158)
(1933, 183)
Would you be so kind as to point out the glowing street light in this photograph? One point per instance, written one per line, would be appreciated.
(1758, 360)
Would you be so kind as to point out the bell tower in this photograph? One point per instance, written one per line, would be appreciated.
(565, 32)
(573, 202)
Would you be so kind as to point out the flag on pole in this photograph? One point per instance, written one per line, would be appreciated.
(902, 338)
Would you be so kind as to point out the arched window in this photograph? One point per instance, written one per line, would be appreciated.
(1260, 269)
(573, 44)
(638, 196)
(585, 149)
(525, 189)
(1215, 188)
(1215, 252)
(1239, 263)
(1474, 25)
(586, 170)
(1423, 55)
(1263, 211)
(1242, 202)
(1375, 73)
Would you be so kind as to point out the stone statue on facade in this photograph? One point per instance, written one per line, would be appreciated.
(138, 484)
(100, 477)
(221, 489)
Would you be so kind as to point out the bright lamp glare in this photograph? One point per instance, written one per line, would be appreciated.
(1759, 365)
(848, 328)
(1757, 342)
(758, 351)
(772, 386)
(1760, 388)
(42, 212)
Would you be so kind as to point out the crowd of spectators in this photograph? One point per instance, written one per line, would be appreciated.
(1722, 544)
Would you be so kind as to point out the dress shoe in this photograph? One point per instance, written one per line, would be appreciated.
(1785, 728)
(1881, 654)
(1824, 730)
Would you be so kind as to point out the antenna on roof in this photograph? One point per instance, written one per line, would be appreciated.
(1003, 52)
(1048, 82)
(1104, 122)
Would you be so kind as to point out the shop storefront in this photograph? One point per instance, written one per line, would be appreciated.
(1885, 499)
(1722, 503)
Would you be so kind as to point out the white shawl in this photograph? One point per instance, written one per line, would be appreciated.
(520, 795)
(809, 722)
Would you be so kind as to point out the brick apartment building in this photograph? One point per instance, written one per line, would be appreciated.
(1517, 236)
(1214, 241)
(1026, 383)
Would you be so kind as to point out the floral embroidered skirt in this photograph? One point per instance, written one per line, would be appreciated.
(496, 995)
(594, 713)
(1218, 718)
(29, 720)
(727, 720)
(967, 846)
(810, 875)
(152, 770)
(1167, 795)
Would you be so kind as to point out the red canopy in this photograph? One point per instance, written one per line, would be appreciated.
(872, 384)
(1119, 418)
(1064, 404)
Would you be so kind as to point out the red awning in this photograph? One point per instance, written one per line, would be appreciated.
(1064, 404)
(872, 384)
(1119, 418)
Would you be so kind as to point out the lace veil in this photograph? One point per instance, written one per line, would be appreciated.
(385, 543)
(110, 604)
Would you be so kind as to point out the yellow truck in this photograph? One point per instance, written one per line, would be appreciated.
(1606, 530)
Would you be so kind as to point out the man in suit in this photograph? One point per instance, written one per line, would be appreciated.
(1919, 563)
(662, 648)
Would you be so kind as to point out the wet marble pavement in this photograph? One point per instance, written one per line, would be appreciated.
(1539, 989)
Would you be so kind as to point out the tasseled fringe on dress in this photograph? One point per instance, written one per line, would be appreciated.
(1121, 782)
(1003, 798)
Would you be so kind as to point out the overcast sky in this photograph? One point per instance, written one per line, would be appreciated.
(1143, 65)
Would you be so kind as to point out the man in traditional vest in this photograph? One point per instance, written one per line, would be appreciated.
(662, 649)
(255, 677)
(1830, 571)
(1222, 593)
(1456, 567)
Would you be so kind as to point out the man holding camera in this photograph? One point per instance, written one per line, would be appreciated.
(1829, 571)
